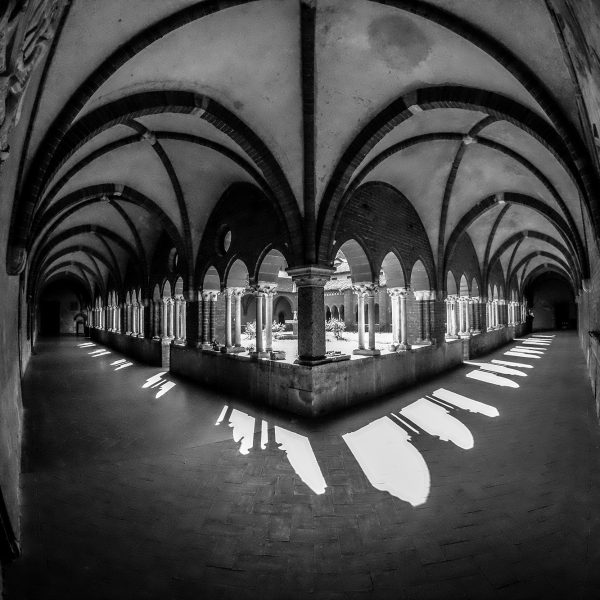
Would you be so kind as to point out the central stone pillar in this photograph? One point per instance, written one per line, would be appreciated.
(310, 283)
(238, 293)
(423, 297)
(192, 324)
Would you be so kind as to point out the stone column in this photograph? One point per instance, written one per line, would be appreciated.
(164, 329)
(128, 319)
(212, 324)
(360, 294)
(206, 345)
(448, 317)
(119, 318)
(461, 317)
(238, 295)
(228, 317)
(395, 299)
(466, 302)
(183, 320)
(145, 307)
(310, 283)
(260, 349)
(371, 291)
(404, 345)
(496, 314)
(269, 293)
(137, 318)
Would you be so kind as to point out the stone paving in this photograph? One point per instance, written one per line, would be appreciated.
(130, 495)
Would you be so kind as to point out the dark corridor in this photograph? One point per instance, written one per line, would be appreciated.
(50, 318)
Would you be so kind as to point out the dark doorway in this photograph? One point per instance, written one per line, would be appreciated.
(50, 318)
(561, 315)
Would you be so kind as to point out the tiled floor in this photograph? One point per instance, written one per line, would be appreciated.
(126, 495)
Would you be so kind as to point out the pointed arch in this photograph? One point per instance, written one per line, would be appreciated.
(211, 281)
(358, 261)
(419, 278)
(451, 287)
(237, 275)
(393, 270)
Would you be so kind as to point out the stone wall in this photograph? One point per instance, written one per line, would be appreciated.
(588, 319)
(145, 350)
(483, 343)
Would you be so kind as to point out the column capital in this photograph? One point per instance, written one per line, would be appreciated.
(310, 275)
(237, 291)
(421, 295)
(365, 289)
(210, 295)
(398, 291)
(264, 289)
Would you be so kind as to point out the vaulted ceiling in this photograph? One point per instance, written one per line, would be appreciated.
(146, 112)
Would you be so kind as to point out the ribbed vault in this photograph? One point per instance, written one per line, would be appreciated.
(170, 106)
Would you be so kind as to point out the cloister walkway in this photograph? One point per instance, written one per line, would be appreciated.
(138, 485)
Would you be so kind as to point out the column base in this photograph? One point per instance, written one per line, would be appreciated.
(366, 352)
(206, 346)
(233, 349)
(464, 336)
(402, 347)
(262, 354)
(423, 343)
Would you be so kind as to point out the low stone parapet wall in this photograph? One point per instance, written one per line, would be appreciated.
(484, 343)
(315, 390)
(143, 349)
(307, 390)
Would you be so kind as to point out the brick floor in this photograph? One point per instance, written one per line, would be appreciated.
(126, 495)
